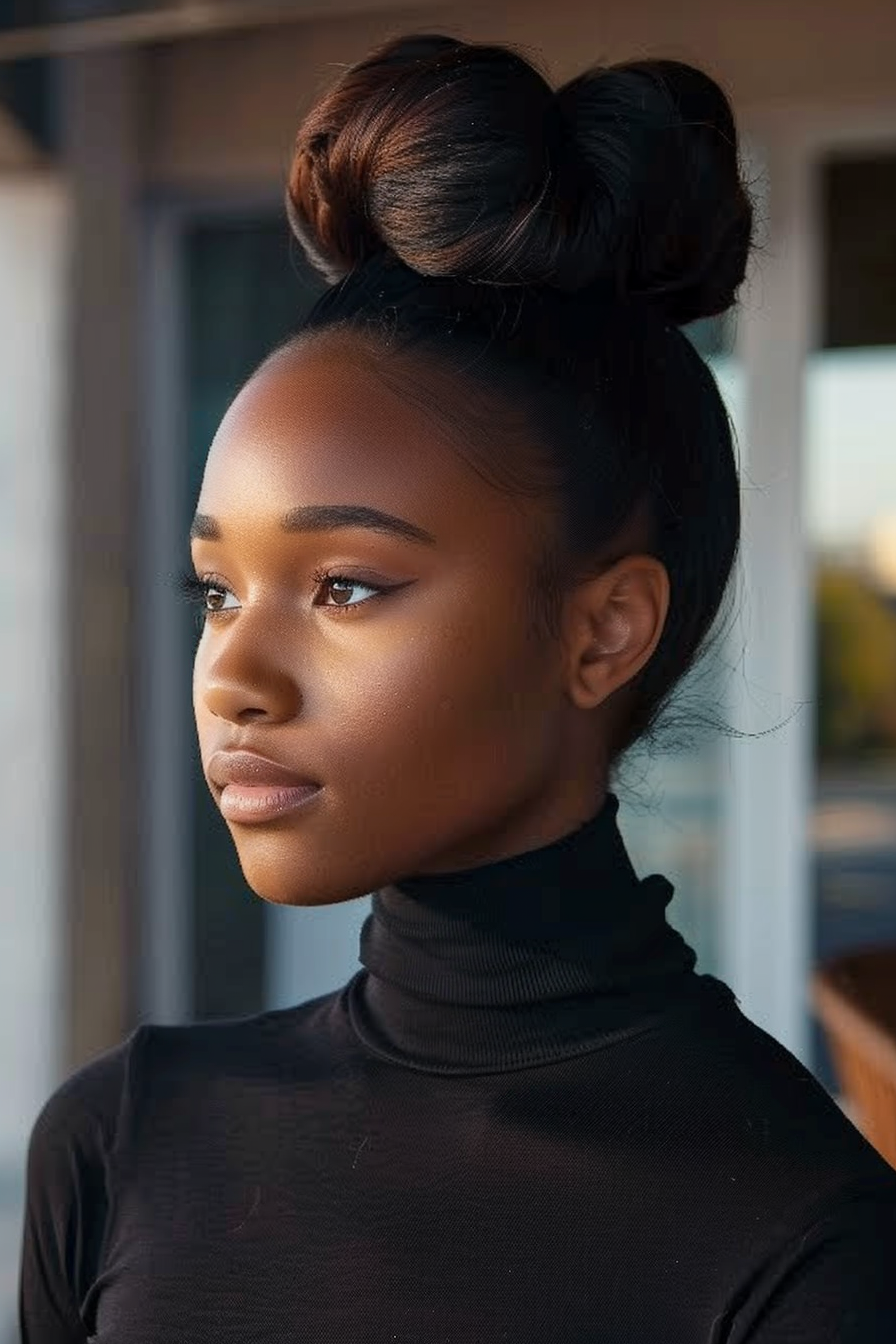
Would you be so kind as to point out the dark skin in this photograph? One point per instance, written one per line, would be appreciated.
(447, 731)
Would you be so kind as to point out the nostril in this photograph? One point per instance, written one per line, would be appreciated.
(250, 714)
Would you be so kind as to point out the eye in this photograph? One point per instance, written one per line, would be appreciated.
(210, 594)
(341, 588)
(333, 591)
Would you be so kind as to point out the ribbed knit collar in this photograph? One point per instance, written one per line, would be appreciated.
(546, 954)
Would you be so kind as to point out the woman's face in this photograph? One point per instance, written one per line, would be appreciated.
(395, 666)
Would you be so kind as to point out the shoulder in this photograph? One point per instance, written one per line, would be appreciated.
(67, 1193)
(763, 1078)
(81, 1113)
(172, 1059)
(74, 1136)
(119, 1109)
(763, 1122)
(89, 1109)
(87, 1116)
(832, 1279)
(785, 1189)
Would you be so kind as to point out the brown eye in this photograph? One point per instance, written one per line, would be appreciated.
(208, 594)
(341, 591)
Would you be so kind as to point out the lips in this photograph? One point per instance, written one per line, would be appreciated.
(255, 789)
(245, 767)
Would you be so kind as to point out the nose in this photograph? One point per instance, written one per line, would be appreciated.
(245, 678)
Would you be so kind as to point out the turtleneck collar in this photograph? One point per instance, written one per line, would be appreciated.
(533, 958)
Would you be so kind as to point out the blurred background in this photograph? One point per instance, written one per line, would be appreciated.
(145, 268)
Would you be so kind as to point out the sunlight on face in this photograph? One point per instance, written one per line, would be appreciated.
(381, 645)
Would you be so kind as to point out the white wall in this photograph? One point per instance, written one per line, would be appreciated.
(32, 264)
(225, 109)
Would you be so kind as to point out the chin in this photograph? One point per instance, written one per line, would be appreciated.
(287, 875)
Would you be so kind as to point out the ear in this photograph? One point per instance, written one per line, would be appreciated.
(612, 624)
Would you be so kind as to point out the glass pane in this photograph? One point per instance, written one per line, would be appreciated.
(672, 801)
(850, 499)
(245, 292)
(851, 520)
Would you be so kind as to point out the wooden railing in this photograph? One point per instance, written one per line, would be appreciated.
(854, 996)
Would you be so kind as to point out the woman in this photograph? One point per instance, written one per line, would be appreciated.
(456, 544)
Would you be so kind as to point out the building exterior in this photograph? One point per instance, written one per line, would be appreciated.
(145, 266)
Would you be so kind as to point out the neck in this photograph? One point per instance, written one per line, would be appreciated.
(520, 961)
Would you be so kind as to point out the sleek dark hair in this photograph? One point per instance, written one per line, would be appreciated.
(547, 246)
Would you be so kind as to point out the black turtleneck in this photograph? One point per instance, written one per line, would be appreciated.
(523, 961)
(526, 1117)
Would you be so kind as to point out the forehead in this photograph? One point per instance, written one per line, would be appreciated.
(321, 424)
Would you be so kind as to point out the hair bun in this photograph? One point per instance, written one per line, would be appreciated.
(459, 159)
(670, 216)
(431, 147)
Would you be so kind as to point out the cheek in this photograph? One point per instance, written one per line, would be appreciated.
(426, 705)
(426, 724)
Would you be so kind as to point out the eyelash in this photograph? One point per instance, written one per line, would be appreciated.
(195, 591)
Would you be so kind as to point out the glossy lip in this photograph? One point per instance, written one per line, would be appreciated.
(252, 788)
(247, 767)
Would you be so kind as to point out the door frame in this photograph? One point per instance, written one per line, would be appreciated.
(164, 974)
(768, 916)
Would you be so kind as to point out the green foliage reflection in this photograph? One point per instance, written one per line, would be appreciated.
(855, 641)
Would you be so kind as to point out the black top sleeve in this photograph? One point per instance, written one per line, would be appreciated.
(66, 1199)
(834, 1284)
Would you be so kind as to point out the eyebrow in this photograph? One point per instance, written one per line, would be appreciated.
(326, 518)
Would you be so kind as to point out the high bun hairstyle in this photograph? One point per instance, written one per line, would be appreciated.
(548, 245)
